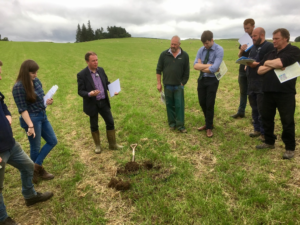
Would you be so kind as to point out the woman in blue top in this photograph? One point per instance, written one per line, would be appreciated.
(29, 97)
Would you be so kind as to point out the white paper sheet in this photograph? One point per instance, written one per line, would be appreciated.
(50, 94)
(246, 39)
(114, 87)
(223, 70)
(289, 73)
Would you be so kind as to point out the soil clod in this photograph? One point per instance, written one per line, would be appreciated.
(132, 167)
(119, 185)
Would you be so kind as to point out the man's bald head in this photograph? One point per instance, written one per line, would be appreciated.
(258, 35)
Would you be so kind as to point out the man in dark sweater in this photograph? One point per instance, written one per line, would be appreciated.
(249, 25)
(175, 66)
(12, 153)
(278, 95)
(255, 82)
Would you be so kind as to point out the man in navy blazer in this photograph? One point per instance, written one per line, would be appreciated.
(92, 87)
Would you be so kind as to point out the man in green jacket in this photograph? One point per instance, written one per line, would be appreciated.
(175, 66)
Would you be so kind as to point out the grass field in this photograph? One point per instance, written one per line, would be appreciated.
(222, 180)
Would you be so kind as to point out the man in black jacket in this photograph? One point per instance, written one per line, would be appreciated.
(92, 87)
(11, 153)
(255, 82)
(279, 95)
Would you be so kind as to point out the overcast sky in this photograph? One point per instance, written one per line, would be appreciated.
(57, 20)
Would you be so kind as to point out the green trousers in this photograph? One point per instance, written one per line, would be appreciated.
(175, 105)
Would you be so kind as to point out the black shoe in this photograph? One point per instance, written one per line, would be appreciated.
(8, 221)
(40, 197)
(238, 115)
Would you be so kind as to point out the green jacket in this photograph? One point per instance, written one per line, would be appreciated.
(175, 71)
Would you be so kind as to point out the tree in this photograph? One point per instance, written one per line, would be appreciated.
(83, 36)
(5, 39)
(78, 34)
(90, 33)
(297, 39)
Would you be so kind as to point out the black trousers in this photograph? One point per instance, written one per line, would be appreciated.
(285, 103)
(104, 111)
(207, 91)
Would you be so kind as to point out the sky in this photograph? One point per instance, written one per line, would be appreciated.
(57, 20)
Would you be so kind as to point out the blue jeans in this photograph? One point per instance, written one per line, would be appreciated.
(19, 159)
(243, 83)
(43, 129)
(175, 105)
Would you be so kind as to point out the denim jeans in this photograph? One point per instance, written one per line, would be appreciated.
(256, 103)
(43, 129)
(20, 160)
(243, 83)
(175, 105)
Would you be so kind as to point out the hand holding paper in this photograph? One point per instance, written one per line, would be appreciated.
(114, 88)
(50, 94)
(246, 39)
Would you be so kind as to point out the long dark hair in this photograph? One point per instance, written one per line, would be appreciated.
(24, 77)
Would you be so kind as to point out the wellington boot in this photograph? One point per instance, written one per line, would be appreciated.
(111, 137)
(96, 137)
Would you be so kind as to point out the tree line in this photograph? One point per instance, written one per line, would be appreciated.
(86, 33)
(4, 39)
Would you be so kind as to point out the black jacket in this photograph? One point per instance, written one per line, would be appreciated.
(86, 85)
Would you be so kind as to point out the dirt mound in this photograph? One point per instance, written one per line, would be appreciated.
(119, 185)
(132, 167)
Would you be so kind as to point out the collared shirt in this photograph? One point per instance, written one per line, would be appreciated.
(172, 52)
(98, 84)
(216, 54)
(288, 56)
(20, 97)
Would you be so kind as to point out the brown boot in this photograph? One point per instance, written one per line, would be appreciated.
(36, 172)
(96, 137)
(111, 137)
(42, 173)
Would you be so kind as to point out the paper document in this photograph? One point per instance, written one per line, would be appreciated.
(162, 97)
(114, 87)
(50, 94)
(244, 60)
(289, 73)
(222, 71)
(246, 39)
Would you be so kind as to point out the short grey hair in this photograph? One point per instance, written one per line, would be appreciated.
(176, 36)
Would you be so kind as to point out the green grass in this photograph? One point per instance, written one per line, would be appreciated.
(222, 180)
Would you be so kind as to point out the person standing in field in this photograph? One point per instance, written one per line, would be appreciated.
(92, 87)
(28, 94)
(255, 82)
(12, 153)
(175, 66)
(208, 60)
(249, 25)
(278, 95)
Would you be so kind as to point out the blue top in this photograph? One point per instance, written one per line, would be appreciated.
(216, 54)
(6, 136)
(20, 97)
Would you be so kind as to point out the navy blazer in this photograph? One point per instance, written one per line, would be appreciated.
(86, 85)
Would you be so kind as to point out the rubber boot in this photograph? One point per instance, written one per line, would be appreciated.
(96, 137)
(111, 137)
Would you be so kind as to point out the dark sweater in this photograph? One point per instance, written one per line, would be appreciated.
(288, 56)
(176, 71)
(6, 137)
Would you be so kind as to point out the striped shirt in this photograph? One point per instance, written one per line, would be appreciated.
(20, 97)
